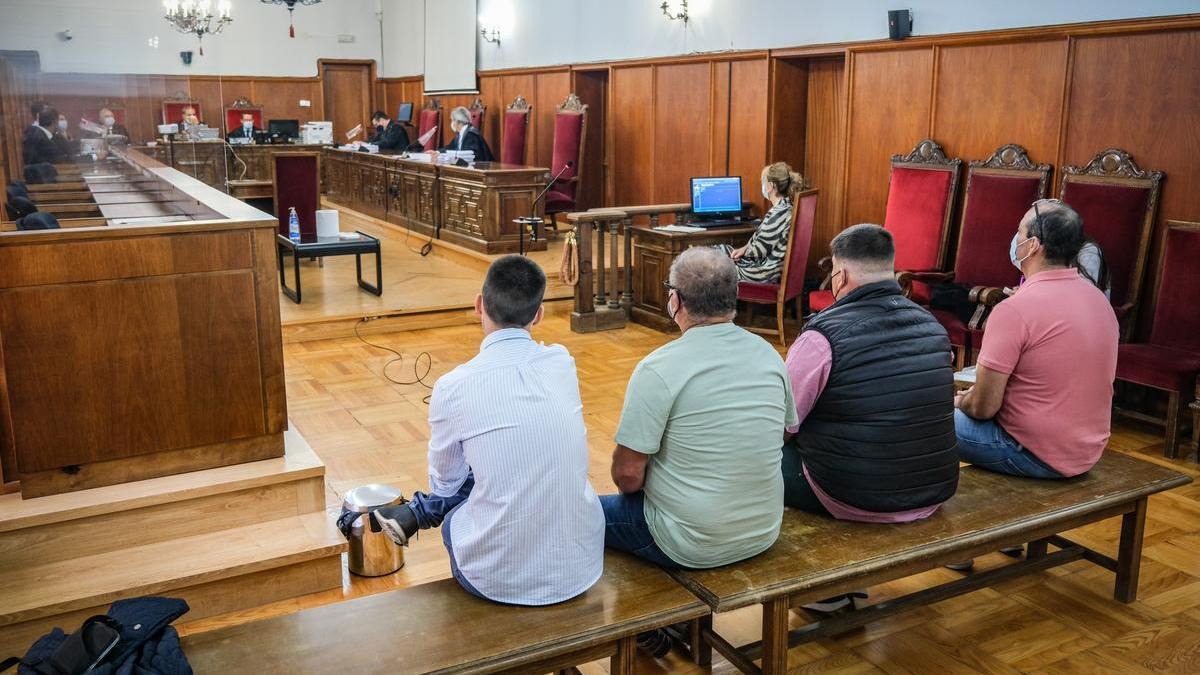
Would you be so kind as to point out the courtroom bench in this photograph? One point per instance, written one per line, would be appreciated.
(818, 557)
(440, 628)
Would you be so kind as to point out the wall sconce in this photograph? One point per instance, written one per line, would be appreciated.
(490, 34)
(681, 15)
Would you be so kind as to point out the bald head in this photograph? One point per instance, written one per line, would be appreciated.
(706, 281)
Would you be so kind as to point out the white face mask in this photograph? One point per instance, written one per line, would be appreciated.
(766, 193)
(109, 121)
(62, 124)
(247, 125)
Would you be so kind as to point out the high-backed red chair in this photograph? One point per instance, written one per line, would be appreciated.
(570, 128)
(791, 280)
(516, 127)
(298, 184)
(239, 107)
(429, 117)
(1118, 202)
(1170, 359)
(998, 192)
(172, 108)
(920, 202)
(477, 110)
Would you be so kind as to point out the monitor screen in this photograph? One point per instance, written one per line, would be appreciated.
(288, 128)
(718, 194)
(405, 114)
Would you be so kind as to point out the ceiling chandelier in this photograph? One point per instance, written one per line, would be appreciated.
(196, 17)
(291, 7)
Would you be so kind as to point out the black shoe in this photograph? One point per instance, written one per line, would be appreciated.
(398, 522)
(655, 643)
(830, 605)
(1013, 551)
(961, 566)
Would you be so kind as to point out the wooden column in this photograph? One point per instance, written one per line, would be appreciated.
(597, 305)
(614, 295)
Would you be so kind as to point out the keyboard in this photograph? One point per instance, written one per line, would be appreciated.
(722, 222)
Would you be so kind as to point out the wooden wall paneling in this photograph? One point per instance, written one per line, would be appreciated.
(592, 88)
(989, 95)
(824, 150)
(1141, 93)
(789, 95)
(280, 99)
(889, 114)
(550, 89)
(682, 129)
(719, 104)
(491, 95)
(631, 143)
(748, 124)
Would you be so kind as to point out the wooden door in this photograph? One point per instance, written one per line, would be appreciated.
(347, 96)
(592, 88)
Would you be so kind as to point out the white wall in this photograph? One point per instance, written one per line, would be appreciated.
(110, 36)
(550, 32)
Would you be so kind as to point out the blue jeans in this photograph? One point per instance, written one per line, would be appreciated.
(433, 511)
(625, 528)
(987, 445)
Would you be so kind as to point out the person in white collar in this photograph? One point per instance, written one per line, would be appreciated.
(467, 137)
(508, 459)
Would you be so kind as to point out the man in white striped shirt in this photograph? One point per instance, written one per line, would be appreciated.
(508, 459)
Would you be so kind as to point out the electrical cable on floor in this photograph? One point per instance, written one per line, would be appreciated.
(418, 375)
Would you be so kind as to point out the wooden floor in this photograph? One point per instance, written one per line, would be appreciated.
(447, 278)
(367, 429)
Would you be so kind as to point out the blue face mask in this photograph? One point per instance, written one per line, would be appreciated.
(1012, 251)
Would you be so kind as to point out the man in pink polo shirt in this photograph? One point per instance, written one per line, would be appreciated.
(1042, 400)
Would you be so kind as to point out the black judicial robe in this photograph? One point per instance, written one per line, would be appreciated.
(37, 148)
(394, 137)
(473, 141)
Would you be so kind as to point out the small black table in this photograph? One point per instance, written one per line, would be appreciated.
(311, 247)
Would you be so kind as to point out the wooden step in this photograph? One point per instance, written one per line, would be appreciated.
(55, 587)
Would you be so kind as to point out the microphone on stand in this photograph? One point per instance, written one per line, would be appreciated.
(533, 221)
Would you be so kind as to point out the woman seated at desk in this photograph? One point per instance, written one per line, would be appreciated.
(761, 259)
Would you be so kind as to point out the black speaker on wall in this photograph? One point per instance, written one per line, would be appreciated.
(899, 23)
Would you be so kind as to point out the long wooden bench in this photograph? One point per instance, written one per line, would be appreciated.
(439, 628)
(817, 557)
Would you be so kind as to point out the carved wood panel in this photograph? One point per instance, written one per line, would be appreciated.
(463, 208)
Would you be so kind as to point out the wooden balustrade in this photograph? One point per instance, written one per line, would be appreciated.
(600, 302)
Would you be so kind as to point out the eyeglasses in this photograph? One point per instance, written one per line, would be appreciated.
(667, 285)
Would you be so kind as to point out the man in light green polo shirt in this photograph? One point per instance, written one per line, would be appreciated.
(697, 458)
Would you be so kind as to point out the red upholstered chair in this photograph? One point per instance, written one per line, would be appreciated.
(477, 110)
(570, 128)
(430, 117)
(1118, 202)
(516, 126)
(172, 108)
(791, 281)
(1170, 360)
(919, 205)
(298, 184)
(235, 110)
(999, 191)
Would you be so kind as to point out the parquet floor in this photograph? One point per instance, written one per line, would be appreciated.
(367, 429)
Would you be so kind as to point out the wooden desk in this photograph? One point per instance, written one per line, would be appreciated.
(470, 206)
(653, 253)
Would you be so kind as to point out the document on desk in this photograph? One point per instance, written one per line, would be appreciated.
(424, 138)
(678, 228)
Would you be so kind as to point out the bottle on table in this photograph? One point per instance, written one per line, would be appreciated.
(293, 225)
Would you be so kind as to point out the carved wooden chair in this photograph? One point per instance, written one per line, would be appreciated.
(570, 128)
(235, 110)
(477, 110)
(920, 202)
(430, 117)
(1118, 202)
(1170, 359)
(516, 128)
(173, 107)
(999, 191)
(791, 281)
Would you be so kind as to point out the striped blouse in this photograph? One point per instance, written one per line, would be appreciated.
(763, 260)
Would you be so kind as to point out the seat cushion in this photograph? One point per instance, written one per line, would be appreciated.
(1159, 367)
(753, 291)
(557, 202)
(955, 328)
(819, 300)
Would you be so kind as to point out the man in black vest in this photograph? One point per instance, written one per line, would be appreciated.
(874, 390)
(873, 381)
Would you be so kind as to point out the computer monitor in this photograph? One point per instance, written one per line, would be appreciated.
(717, 195)
(405, 114)
(284, 128)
